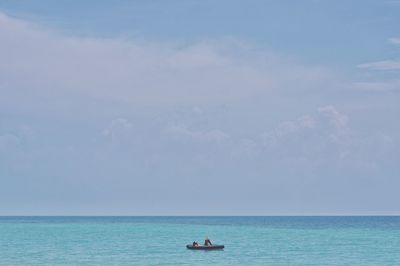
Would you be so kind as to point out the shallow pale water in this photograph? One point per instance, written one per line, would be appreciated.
(162, 240)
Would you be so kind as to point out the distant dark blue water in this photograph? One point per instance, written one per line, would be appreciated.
(336, 240)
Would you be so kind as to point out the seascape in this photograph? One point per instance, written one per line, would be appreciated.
(272, 240)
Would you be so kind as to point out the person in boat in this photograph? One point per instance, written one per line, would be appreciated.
(207, 242)
(195, 244)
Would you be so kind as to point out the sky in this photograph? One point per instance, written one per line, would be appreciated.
(199, 107)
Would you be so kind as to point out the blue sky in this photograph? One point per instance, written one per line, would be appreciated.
(199, 107)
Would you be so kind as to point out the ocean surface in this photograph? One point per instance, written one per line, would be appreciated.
(162, 240)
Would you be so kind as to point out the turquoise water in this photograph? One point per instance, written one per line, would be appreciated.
(162, 240)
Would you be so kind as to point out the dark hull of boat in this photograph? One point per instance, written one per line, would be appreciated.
(213, 247)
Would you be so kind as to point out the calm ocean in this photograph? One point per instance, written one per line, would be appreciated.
(162, 240)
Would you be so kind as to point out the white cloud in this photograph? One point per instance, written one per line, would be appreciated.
(287, 128)
(393, 64)
(394, 40)
(41, 67)
(341, 133)
(117, 130)
(325, 132)
(336, 119)
(382, 65)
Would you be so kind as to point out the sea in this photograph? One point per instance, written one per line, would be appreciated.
(271, 240)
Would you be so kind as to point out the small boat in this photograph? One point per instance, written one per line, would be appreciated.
(200, 247)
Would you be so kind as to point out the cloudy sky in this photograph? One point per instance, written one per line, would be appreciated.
(199, 107)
